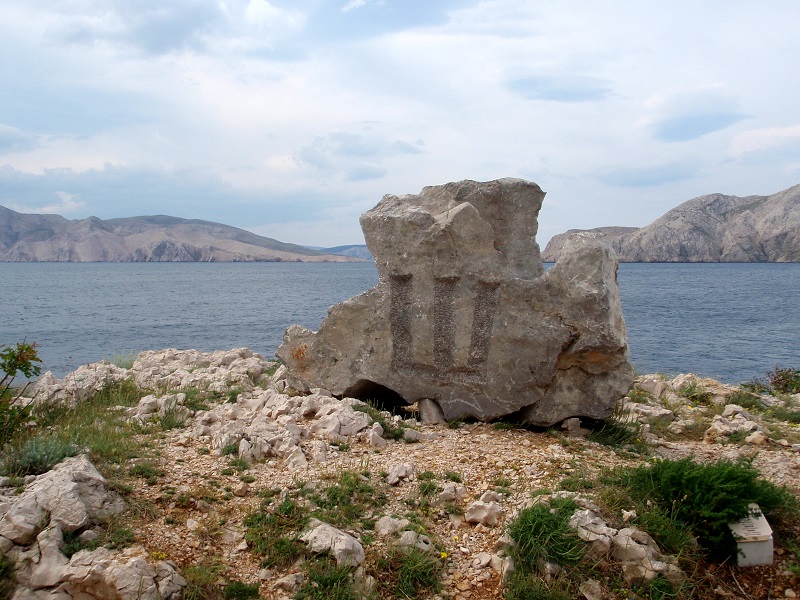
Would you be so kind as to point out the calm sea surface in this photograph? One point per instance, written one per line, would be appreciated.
(730, 321)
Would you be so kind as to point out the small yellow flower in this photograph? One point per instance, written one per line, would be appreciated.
(443, 555)
(158, 555)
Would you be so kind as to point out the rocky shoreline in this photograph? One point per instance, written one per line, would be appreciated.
(239, 441)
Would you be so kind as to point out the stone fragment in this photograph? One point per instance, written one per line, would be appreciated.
(485, 513)
(399, 472)
(411, 435)
(412, 539)
(326, 539)
(388, 525)
(375, 440)
(591, 528)
(591, 589)
(430, 413)
(465, 315)
(290, 583)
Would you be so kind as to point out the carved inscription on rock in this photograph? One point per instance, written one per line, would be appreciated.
(445, 324)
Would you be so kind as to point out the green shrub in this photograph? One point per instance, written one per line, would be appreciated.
(542, 533)
(240, 591)
(201, 580)
(36, 455)
(620, 430)
(779, 380)
(784, 381)
(346, 500)
(12, 418)
(8, 579)
(528, 586)
(407, 573)
(275, 533)
(325, 580)
(696, 393)
(746, 400)
(706, 497)
(390, 430)
(21, 358)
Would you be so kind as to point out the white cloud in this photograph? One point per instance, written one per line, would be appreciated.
(66, 205)
(759, 140)
(353, 4)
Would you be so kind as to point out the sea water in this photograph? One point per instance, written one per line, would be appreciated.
(729, 321)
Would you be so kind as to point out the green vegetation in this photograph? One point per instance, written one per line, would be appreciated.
(114, 535)
(201, 580)
(390, 430)
(325, 580)
(240, 591)
(542, 533)
(620, 430)
(695, 393)
(345, 501)
(778, 381)
(14, 360)
(8, 579)
(124, 360)
(706, 497)
(275, 533)
(407, 573)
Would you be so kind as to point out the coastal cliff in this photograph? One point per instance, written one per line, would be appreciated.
(711, 228)
(52, 238)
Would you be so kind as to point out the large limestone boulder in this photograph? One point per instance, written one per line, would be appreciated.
(465, 315)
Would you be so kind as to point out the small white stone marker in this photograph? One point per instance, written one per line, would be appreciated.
(753, 537)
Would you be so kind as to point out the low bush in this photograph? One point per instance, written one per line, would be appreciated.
(407, 573)
(542, 533)
(778, 381)
(21, 358)
(325, 580)
(620, 430)
(8, 578)
(240, 591)
(274, 533)
(706, 497)
(695, 393)
(36, 455)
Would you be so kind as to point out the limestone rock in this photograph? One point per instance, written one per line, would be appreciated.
(412, 539)
(326, 539)
(71, 493)
(387, 525)
(399, 473)
(463, 313)
(485, 513)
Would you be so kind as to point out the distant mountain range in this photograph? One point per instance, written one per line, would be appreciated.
(713, 228)
(52, 238)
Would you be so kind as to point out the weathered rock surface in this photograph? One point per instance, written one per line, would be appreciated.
(326, 539)
(69, 495)
(67, 499)
(464, 315)
(712, 228)
(556, 244)
(158, 369)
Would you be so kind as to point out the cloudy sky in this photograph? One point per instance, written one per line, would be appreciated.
(291, 117)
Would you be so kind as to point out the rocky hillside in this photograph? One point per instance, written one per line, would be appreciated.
(715, 228)
(42, 238)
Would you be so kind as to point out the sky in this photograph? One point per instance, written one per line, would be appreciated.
(291, 118)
